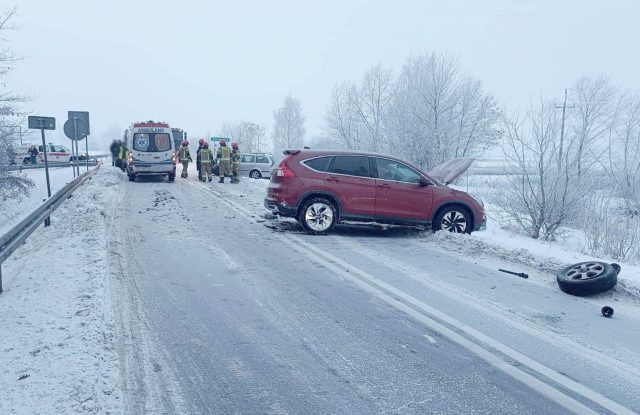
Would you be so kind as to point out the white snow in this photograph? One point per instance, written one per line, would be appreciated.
(11, 212)
(57, 354)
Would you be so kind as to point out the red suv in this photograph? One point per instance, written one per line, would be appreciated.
(323, 188)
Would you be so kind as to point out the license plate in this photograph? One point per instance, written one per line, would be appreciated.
(143, 165)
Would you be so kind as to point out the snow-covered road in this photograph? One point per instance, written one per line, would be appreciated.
(218, 313)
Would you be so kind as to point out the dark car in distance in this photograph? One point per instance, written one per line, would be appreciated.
(322, 188)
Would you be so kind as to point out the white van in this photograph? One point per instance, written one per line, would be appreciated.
(151, 151)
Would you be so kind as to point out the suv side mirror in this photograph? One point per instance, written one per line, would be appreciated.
(425, 182)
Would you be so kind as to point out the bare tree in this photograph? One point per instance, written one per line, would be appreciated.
(591, 117)
(540, 193)
(450, 112)
(342, 128)
(288, 127)
(12, 186)
(371, 106)
(249, 135)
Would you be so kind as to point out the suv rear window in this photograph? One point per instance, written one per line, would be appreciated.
(351, 165)
(319, 164)
(152, 142)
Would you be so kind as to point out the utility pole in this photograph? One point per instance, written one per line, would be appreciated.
(564, 112)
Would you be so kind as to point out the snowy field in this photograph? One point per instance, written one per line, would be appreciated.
(13, 211)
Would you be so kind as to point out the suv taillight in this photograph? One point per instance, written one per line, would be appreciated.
(284, 170)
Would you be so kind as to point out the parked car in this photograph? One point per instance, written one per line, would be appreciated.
(55, 154)
(254, 165)
(323, 188)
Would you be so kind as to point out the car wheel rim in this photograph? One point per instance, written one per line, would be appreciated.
(586, 271)
(454, 221)
(255, 175)
(319, 217)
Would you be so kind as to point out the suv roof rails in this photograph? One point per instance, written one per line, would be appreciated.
(287, 152)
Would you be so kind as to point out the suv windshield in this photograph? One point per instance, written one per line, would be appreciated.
(152, 142)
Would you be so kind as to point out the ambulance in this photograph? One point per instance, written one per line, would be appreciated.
(151, 150)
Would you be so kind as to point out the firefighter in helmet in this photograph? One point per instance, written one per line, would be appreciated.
(206, 158)
(224, 158)
(200, 143)
(185, 157)
(235, 163)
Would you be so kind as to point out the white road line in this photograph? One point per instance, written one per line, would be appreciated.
(383, 290)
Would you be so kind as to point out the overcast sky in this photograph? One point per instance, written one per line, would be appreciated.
(196, 64)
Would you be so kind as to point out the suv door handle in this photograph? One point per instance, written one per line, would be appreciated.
(384, 186)
(332, 179)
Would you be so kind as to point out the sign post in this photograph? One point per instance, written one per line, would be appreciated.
(76, 128)
(44, 123)
(82, 117)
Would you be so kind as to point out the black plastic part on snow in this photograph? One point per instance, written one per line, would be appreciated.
(607, 311)
(518, 274)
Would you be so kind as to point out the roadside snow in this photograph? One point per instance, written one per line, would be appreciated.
(57, 331)
(12, 211)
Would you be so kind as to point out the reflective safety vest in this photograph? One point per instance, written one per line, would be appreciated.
(224, 154)
(184, 154)
(235, 157)
(205, 156)
(122, 152)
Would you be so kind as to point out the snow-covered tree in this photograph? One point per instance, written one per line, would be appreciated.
(249, 135)
(288, 126)
(12, 186)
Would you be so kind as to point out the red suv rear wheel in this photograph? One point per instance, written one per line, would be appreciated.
(318, 215)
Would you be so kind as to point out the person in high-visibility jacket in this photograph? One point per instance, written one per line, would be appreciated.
(185, 157)
(206, 158)
(224, 158)
(235, 163)
(122, 155)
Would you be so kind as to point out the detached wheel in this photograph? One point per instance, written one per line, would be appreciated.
(587, 278)
(255, 174)
(453, 219)
(318, 216)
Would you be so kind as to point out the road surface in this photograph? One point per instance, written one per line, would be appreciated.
(217, 313)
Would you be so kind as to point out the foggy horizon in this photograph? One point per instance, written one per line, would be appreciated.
(213, 63)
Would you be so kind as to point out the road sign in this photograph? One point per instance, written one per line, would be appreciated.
(42, 123)
(219, 138)
(82, 115)
(76, 129)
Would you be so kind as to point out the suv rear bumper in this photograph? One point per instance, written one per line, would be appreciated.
(281, 209)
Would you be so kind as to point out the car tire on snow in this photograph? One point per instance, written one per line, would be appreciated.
(588, 278)
(255, 174)
(455, 219)
(318, 216)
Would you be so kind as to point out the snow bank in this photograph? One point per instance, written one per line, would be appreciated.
(57, 354)
(11, 212)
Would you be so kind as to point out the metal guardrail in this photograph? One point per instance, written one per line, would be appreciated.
(13, 239)
(21, 167)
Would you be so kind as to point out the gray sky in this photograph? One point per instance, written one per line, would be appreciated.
(196, 64)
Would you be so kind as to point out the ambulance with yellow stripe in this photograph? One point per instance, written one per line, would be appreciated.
(151, 150)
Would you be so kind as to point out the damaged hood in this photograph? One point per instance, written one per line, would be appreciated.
(449, 171)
